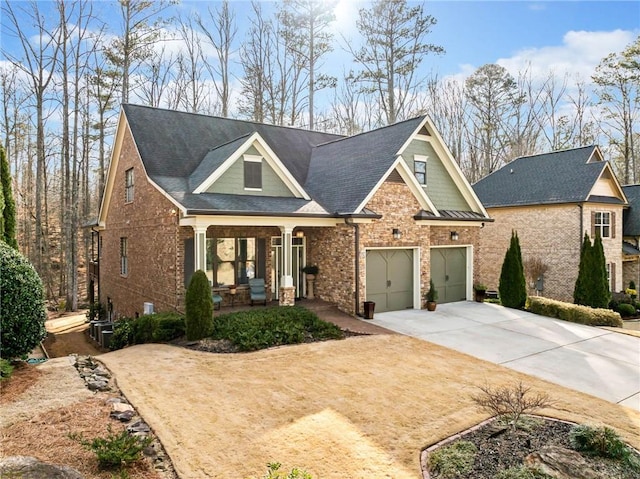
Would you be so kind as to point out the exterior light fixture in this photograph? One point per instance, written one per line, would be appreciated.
(396, 233)
(454, 236)
(299, 234)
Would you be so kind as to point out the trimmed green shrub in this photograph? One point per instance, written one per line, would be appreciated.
(122, 334)
(168, 326)
(6, 369)
(454, 460)
(268, 327)
(574, 313)
(513, 286)
(116, 450)
(21, 303)
(199, 307)
(626, 310)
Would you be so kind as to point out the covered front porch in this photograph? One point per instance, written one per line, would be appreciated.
(234, 250)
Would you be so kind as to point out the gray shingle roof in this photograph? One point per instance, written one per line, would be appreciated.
(343, 172)
(213, 160)
(557, 177)
(631, 226)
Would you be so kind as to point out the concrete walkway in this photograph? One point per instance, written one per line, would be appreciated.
(593, 360)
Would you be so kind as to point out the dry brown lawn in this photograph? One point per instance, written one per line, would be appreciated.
(359, 408)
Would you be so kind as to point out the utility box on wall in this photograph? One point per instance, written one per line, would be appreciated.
(148, 308)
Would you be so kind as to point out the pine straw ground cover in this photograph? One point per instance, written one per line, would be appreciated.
(363, 407)
(41, 405)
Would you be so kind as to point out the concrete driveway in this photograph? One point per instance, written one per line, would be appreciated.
(596, 361)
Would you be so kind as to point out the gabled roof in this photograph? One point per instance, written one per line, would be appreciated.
(566, 176)
(631, 226)
(343, 172)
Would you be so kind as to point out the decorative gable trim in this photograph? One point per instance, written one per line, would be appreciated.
(607, 171)
(400, 167)
(452, 167)
(268, 155)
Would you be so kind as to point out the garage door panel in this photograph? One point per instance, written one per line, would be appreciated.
(449, 273)
(389, 279)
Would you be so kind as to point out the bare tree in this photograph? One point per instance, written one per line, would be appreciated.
(37, 61)
(618, 80)
(221, 35)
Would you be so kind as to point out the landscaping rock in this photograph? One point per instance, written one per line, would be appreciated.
(26, 467)
(122, 416)
(97, 385)
(561, 463)
(139, 428)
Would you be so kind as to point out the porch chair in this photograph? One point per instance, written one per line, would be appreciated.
(217, 301)
(257, 290)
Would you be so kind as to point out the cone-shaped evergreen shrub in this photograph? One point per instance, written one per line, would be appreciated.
(22, 311)
(581, 290)
(600, 295)
(199, 307)
(513, 287)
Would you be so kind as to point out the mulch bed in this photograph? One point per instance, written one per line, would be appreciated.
(500, 448)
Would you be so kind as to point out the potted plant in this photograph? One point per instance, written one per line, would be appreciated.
(232, 289)
(431, 296)
(310, 270)
(480, 292)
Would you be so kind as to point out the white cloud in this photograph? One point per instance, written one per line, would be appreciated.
(579, 54)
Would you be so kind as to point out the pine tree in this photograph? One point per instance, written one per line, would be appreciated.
(7, 204)
(199, 307)
(601, 295)
(513, 287)
(582, 287)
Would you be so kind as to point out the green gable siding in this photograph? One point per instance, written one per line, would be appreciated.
(232, 181)
(440, 188)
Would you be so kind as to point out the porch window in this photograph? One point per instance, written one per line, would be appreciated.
(420, 169)
(602, 224)
(128, 185)
(124, 260)
(231, 260)
(252, 172)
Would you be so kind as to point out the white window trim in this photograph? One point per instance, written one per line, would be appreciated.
(422, 159)
(129, 190)
(253, 159)
(600, 226)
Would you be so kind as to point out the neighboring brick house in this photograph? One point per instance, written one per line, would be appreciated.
(551, 200)
(380, 213)
(631, 232)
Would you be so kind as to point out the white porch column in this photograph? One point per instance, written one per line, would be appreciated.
(287, 290)
(200, 247)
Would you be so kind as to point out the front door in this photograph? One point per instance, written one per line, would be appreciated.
(390, 279)
(449, 273)
(297, 262)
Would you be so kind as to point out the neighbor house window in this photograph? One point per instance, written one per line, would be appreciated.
(602, 224)
(124, 260)
(252, 172)
(128, 185)
(231, 260)
(420, 169)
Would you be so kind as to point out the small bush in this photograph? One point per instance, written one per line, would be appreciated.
(574, 313)
(626, 310)
(454, 460)
(116, 450)
(143, 328)
(122, 334)
(522, 472)
(168, 326)
(268, 327)
(6, 369)
(96, 312)
(22, 307)
(274, 472)
(199, 307)
(598, 441)
(511, 402)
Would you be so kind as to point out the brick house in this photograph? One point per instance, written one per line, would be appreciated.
(379, 213)
(551, 200)
(631, 232)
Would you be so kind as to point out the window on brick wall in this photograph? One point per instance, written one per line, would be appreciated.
(231, 260)
(603, 224)
(124, 259)
(128, 185)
